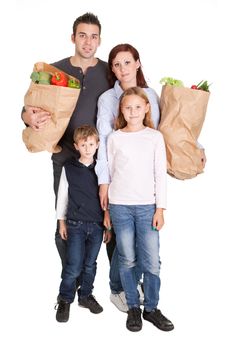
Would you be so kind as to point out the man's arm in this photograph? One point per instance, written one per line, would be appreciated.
(35, 117)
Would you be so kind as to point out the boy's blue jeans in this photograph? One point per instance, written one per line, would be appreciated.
(83, 245)
(137, 244)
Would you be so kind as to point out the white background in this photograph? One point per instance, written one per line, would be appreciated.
(188, 40)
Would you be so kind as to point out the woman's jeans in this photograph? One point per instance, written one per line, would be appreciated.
(114, 274)
(137, 244)
(83, 245)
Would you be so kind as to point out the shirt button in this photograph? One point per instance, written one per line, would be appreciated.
(84, 87)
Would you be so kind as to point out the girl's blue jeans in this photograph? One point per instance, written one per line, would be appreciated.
(137, 244)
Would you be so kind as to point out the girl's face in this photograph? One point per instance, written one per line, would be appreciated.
(125, 68)
(134, 109)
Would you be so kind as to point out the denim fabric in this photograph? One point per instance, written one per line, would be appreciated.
(137, 244)
(83, 245)
(114, 274)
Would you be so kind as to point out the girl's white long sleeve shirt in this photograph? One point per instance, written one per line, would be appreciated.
(138, 168)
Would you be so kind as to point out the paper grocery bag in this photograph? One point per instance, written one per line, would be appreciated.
(59, 101)
(183, 113)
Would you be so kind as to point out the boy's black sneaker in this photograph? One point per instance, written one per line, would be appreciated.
(134, 320)
(158, 319)
(63, 311)
(91, 304)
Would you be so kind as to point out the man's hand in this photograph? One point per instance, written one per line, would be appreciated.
(103, 193)
(35, 117)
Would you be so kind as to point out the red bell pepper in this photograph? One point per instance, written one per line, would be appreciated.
(59, 79)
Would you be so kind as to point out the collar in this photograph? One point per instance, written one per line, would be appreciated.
(118, 90)
(75, 161)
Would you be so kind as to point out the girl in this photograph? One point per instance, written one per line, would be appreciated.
(137, 198)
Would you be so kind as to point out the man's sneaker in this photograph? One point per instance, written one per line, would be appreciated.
(63, 311)
(119, 301)
(156, 317)
(134, 320)
(91, 304)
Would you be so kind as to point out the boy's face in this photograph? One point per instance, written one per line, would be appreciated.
(87, 148)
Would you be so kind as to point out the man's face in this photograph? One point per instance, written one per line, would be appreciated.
(86, 40)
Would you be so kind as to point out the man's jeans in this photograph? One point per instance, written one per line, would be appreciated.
(137, 244)
(83, 245)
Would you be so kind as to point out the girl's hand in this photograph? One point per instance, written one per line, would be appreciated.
(63, 229)
(158, 220)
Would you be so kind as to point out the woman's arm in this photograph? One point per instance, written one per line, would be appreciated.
(154, 103)
(105, 125)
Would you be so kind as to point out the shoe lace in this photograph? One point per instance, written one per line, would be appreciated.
(92, 300)
(135, 313)
(60, 306)
(159, 315)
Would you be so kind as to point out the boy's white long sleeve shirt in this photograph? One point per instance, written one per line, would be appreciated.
(138, 168)
(62, 196)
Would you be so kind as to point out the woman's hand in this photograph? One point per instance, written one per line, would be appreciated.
(203, 157)
(103, 193)
(158, 220)
(107, 224)
(35, 117)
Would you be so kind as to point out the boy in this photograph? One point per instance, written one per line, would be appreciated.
(80, 224)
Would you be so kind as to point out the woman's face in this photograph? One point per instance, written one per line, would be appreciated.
(125, 68)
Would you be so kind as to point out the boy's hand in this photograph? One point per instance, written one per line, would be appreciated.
(63, 229)
(158, 220)
(35, 117)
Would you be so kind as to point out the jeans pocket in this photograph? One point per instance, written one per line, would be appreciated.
(73, 223)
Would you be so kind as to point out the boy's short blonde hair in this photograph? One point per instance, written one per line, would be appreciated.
(84, 131)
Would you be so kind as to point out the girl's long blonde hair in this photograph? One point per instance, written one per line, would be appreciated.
(120, 121)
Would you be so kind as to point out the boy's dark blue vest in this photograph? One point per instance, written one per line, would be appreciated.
(83, 192)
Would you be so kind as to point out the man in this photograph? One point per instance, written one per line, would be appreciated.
(92, 74)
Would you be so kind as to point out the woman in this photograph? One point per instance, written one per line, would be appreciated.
(125, 71)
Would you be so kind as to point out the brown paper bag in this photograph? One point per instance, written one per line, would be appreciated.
(183, 112)
(59, 101)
